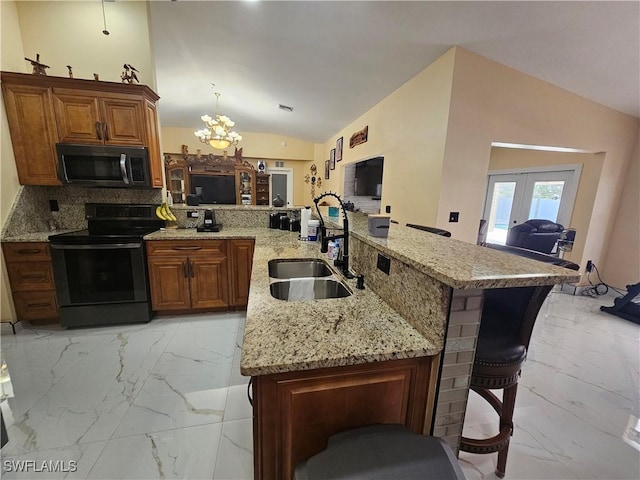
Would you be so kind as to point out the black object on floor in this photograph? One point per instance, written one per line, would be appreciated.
(624, 307)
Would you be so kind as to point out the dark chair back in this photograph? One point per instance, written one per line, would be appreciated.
(535, 234)
(482, 232)
(424, 228)
(511, 313)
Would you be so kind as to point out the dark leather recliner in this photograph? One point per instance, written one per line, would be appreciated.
(535, 234)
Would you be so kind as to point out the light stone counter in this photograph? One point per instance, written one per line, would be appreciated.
(283, 336)
(35, 236)
(459, 264)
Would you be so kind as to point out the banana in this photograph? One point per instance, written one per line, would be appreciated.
(159, 212)
(168, 214)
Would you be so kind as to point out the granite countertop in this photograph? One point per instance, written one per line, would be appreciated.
(36, 236)
(455, 263)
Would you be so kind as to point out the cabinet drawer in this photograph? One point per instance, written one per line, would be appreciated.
(30, 276)
(35, 305)
(192, 248)
(26, 252)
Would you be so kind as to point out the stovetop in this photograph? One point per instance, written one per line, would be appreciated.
(112, 223)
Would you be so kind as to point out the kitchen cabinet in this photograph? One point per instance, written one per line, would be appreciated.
(99, 118)
(262, 189)
(43, 111)
(33, 132)
(245, 186)
(188, 274)
(31, 279)
(240, 260)
(295, 413)
(178, 183)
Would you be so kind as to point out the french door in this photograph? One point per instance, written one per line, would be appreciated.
(514, 198)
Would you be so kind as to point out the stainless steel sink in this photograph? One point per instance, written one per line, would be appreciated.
(309, 289)
(298, 268)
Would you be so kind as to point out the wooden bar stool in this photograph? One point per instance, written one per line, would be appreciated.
(508, 318)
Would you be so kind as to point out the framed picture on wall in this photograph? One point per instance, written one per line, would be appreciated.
(326, 169)
(339, 149)
(332, 159)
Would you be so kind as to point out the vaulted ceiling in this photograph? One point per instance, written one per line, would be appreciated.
(332, 61)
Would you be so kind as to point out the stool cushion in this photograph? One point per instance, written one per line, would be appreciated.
(380, 452)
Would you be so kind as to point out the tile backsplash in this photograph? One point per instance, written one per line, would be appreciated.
(31, 212)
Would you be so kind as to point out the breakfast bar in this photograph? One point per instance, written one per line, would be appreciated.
(398, 351)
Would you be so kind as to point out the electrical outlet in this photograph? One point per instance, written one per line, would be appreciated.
(589, 266)
(387, 209)
(453, 217)
(384, 264)
(192, 214)
(53, 206)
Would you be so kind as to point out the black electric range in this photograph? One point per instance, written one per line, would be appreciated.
(101, 272)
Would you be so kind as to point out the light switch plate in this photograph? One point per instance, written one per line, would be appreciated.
(453, 217)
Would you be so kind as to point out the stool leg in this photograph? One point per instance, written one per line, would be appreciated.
(506, 420)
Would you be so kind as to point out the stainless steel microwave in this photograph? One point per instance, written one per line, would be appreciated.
(103, 166)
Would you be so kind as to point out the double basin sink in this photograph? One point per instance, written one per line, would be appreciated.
(299, 279)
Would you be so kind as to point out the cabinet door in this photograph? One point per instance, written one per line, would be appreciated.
(208, 282)
(295, 413)
(153, 144)
(36, 305)
(78, 117)
(240, 259)
(88, 118)
(124, 121)
(169, 283)
(33, 133)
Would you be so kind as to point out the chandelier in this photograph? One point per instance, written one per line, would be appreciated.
(218, 131)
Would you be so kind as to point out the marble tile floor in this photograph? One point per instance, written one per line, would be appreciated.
(166, 400)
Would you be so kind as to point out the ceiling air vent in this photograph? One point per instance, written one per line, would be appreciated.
(286, 108)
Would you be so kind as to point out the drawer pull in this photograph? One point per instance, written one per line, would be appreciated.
(39, 305)
(98, 130)
(29, 251)
(33, 276)
(195, 247)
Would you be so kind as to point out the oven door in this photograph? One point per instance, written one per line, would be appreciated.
(99, 274)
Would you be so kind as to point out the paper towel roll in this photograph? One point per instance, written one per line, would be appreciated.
(305, 216)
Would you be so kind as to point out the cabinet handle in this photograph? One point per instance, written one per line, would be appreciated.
(195, 247)
(33, 276)
(99, 130)
(29, 251)
(106, 131)
(39, 305)
(185, 270)
(191, 273)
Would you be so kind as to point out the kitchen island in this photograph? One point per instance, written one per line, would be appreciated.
(401, 350)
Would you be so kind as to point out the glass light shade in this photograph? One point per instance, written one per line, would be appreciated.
(219, 143)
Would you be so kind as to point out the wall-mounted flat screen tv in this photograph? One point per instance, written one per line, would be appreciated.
(219, 189)
(368, 181)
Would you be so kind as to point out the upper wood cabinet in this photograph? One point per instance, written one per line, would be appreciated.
(33, 132)
(99, 118)
(43, 111)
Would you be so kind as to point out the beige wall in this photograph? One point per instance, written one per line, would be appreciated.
(622, 262)
(409, 129)
(509, 158)
(492, 102)
(70, 33)
(11, 59)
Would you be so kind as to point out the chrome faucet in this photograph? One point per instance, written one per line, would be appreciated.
(343, 262)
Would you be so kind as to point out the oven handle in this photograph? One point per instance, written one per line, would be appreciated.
(123, 168)
(108, 246)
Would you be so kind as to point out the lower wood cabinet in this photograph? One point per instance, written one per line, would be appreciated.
(31, 278)
(295, 413)
(199, 275)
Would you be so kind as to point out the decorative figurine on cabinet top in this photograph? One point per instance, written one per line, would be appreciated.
(38, 68)
(129, 75)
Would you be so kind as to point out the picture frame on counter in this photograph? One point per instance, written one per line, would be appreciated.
(332, 159)
(339, 143)
(326, 169)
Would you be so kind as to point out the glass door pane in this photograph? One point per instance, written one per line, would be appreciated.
(545, 200)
